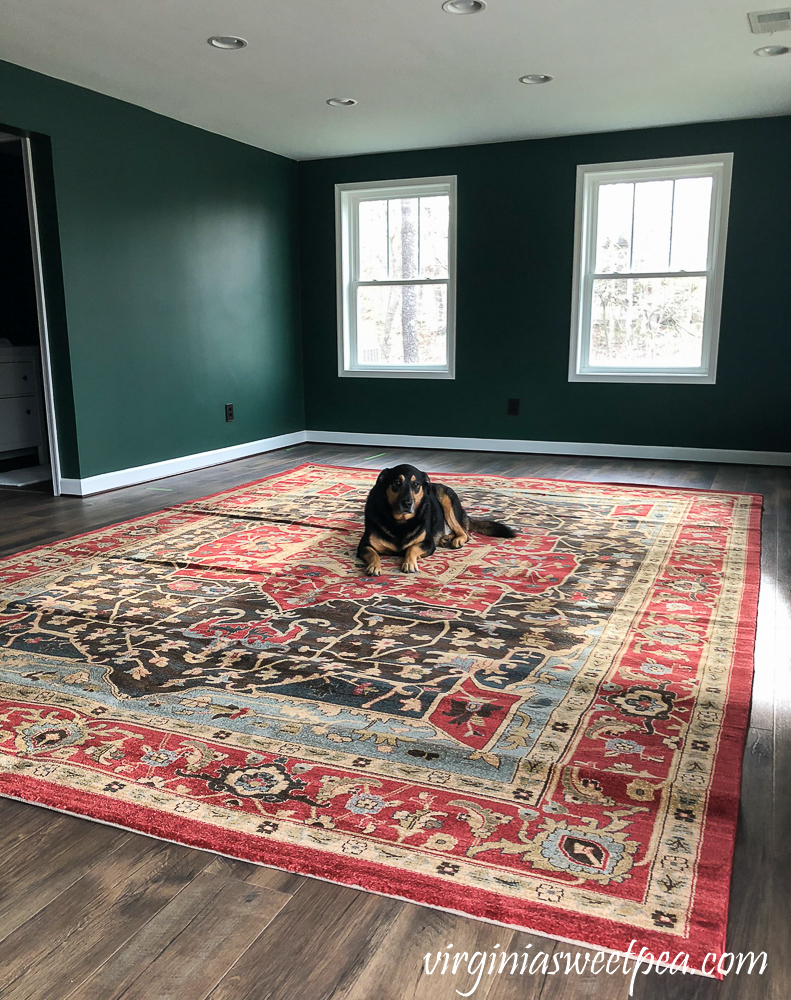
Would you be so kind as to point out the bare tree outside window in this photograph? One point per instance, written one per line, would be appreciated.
(409, 266)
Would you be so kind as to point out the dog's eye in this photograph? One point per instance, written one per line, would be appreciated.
(415, 486)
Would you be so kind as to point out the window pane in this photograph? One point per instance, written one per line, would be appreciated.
(434, 218)
(373, 240)
(402, 325)
(653, 209)
(404, 238)
(614, 228)
(653, 322)
(691, 213)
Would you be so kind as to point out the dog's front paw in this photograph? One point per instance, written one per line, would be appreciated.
(373, 570)
(458, 540)
(409, 566)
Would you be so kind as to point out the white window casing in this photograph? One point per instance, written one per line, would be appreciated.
(587, 244)
(357, 357)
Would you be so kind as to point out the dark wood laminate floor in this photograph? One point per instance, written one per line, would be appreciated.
(89, 912)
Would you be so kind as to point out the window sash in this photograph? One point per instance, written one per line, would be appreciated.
(589, 183)
(646, 275)
(384, 282)
(354, 352)
(584, 365)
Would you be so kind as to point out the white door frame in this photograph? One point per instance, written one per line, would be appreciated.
(41, 306)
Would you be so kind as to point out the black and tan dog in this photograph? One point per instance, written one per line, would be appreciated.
(408, 515)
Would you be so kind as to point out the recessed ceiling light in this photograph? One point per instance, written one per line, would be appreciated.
(463, 6)
(535, 78)
(226, 42)
(772, 50)
(341, 102)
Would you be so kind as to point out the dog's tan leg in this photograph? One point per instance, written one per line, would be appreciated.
(373, 564)
(376, 546)
(458, 536)
(411, 556)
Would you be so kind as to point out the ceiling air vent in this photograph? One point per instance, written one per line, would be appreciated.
(763, 22)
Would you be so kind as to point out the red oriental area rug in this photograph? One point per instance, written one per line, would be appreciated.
(545, 732)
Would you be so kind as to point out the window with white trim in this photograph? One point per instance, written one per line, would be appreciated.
(649, 258)
(396, 264)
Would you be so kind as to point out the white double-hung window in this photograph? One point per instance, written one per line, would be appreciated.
(396, 275)
(649, 258)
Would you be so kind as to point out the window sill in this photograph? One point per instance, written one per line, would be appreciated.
(395, 373)
(666, 378)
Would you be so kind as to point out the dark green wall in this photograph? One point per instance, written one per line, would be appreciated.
(515, 247)
(181, 270)
(180, 284)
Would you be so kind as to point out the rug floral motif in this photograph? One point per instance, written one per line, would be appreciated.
(545, 732)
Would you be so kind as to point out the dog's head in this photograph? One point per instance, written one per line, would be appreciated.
(404, 488)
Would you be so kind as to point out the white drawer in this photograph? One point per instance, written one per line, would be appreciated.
(17, 378)
(18, 422)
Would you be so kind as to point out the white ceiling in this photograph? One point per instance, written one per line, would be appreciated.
(422, 77)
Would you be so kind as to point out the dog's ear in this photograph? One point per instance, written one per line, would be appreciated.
(426, 480)
(382, 476)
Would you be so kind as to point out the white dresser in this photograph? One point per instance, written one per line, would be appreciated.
(20, 400)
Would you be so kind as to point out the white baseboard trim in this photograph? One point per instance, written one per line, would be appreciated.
(205, 459)
(175, 466)
(729, 455)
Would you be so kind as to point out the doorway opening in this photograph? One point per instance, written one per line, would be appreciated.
(28, 440)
